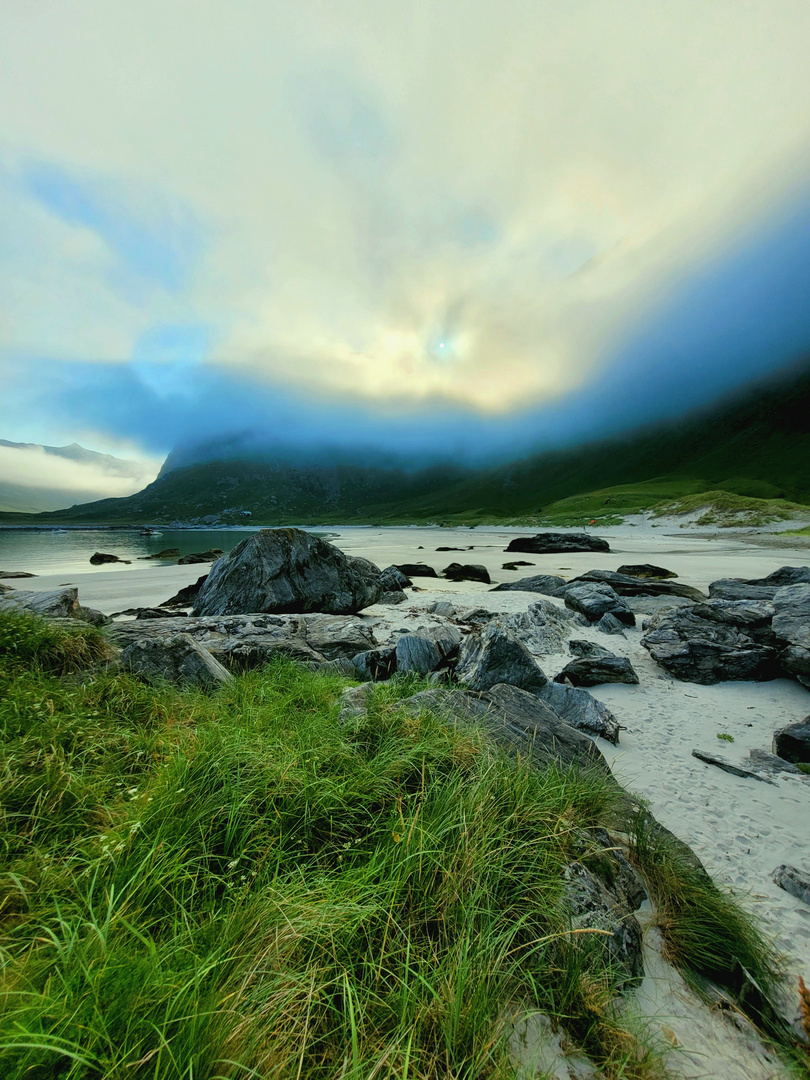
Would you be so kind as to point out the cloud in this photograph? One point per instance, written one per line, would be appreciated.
(442, 208)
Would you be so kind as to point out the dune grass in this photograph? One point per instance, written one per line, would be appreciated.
(239, 886)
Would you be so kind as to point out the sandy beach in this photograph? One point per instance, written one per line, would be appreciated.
(741, 828)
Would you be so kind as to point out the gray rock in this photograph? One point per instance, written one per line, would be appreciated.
(200, 557)
(417, 654)
(90, 615)
(746, 614)
(497, 656)
(543, 628)
(581, 710)
(762, 761)
(392, 598)
(791, 620)
(443, 608)
(793, 881)
(793, 741)
(185, 597)
(287, 570)
(551, 543)
(588, 650)
(338, 636)
(167, 553)
(540, 583)
(728, 766)
(514, 565)
(628, 585)
(467, 572)
(519, 721)
(15, 574)
(392, 579)
(53, 603)
(179, 660)
(475, 616)
(695, 646)
(592, 671)
(592, 907)
(785, 575)
(609, 624)
(736, 589)
(593, 600)
(354, 701)
(645, 570)
(795, 662)
(376, 665)
(446, 637)
(99, 558)
(412, 570)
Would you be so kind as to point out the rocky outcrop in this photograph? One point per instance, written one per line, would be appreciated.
(591, 671)
(178, 659)
(417, 654)
(54, 603)
(539, 583)
(734, 589)
(466, 572)
(15, 574)
(287, 570)
(543, 627)
(699, 645)
(793, 741)
(588, 650)
(645, 570)
(594, 600)
(551, 543)
(497, 656)
(375, 665)
(628, 585)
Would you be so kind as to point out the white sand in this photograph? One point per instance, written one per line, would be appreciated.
(740, 828)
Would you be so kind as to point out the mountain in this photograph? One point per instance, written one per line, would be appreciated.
(755, 445)
(74, 475)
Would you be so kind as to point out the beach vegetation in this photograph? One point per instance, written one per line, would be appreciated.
(724, 736)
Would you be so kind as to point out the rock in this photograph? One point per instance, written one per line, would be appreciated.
(179, 660)
(762, 761)
(91, 615)
(416, 570)
(744, 614)
(543, 628)
(497, 656)
(98, 558)
(592, 671)
(15, 574)
(475, 616)
(550, 543)
(450, 549)
(735, 589)
(697, 647)
(540, 583)
(153, 613)
(627, 585)
(375, 665)
(592, 907)
(417, 654)
(393, 598)
(595, 600)
(446, 637)
(466, 572)
(185, 596)
(54, 603)
(581, 710)
(791, 620)
(588, 650)
(519, 721)
(288, 570)
(200, 556)
(609, 624)
(514, 565)
(392, 579)
(645, 570)
(793, 741)
(795, 662)
(793, 881)
(443, 608)
(785, 575)
(338, 637)
(727, 766)
(354, 701)
(167, 553)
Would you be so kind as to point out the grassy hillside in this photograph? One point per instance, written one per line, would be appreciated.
(757, 446)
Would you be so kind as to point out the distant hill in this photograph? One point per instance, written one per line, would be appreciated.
(756, 445)
(74, 475)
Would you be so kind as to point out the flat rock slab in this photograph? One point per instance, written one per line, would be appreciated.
(793, 881)
(551, 543)
(15, 574)
(727, 766)
(288, 570)
(539, 583)
(628, 585)
(55, 603)
(645, 570)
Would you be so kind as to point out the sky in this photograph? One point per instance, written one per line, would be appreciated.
(442, 228)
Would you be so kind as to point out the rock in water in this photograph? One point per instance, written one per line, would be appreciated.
(288, 570)
(98, 558)
(550, 543)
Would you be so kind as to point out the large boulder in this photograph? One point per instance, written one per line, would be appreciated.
(593, 600)
(543, 628)
(539, 583)
(785, 575)
(793, 741)
(592, 671)
(467, 572)
(53, 603)
(288, 570)
(580, 710)
(551, 543)
(630, 585)
(179, 660)
(418, 569)
(698, 645)
(791, 619)
(497, 656)
(736, 589)
(417, 654)
(645, 570)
